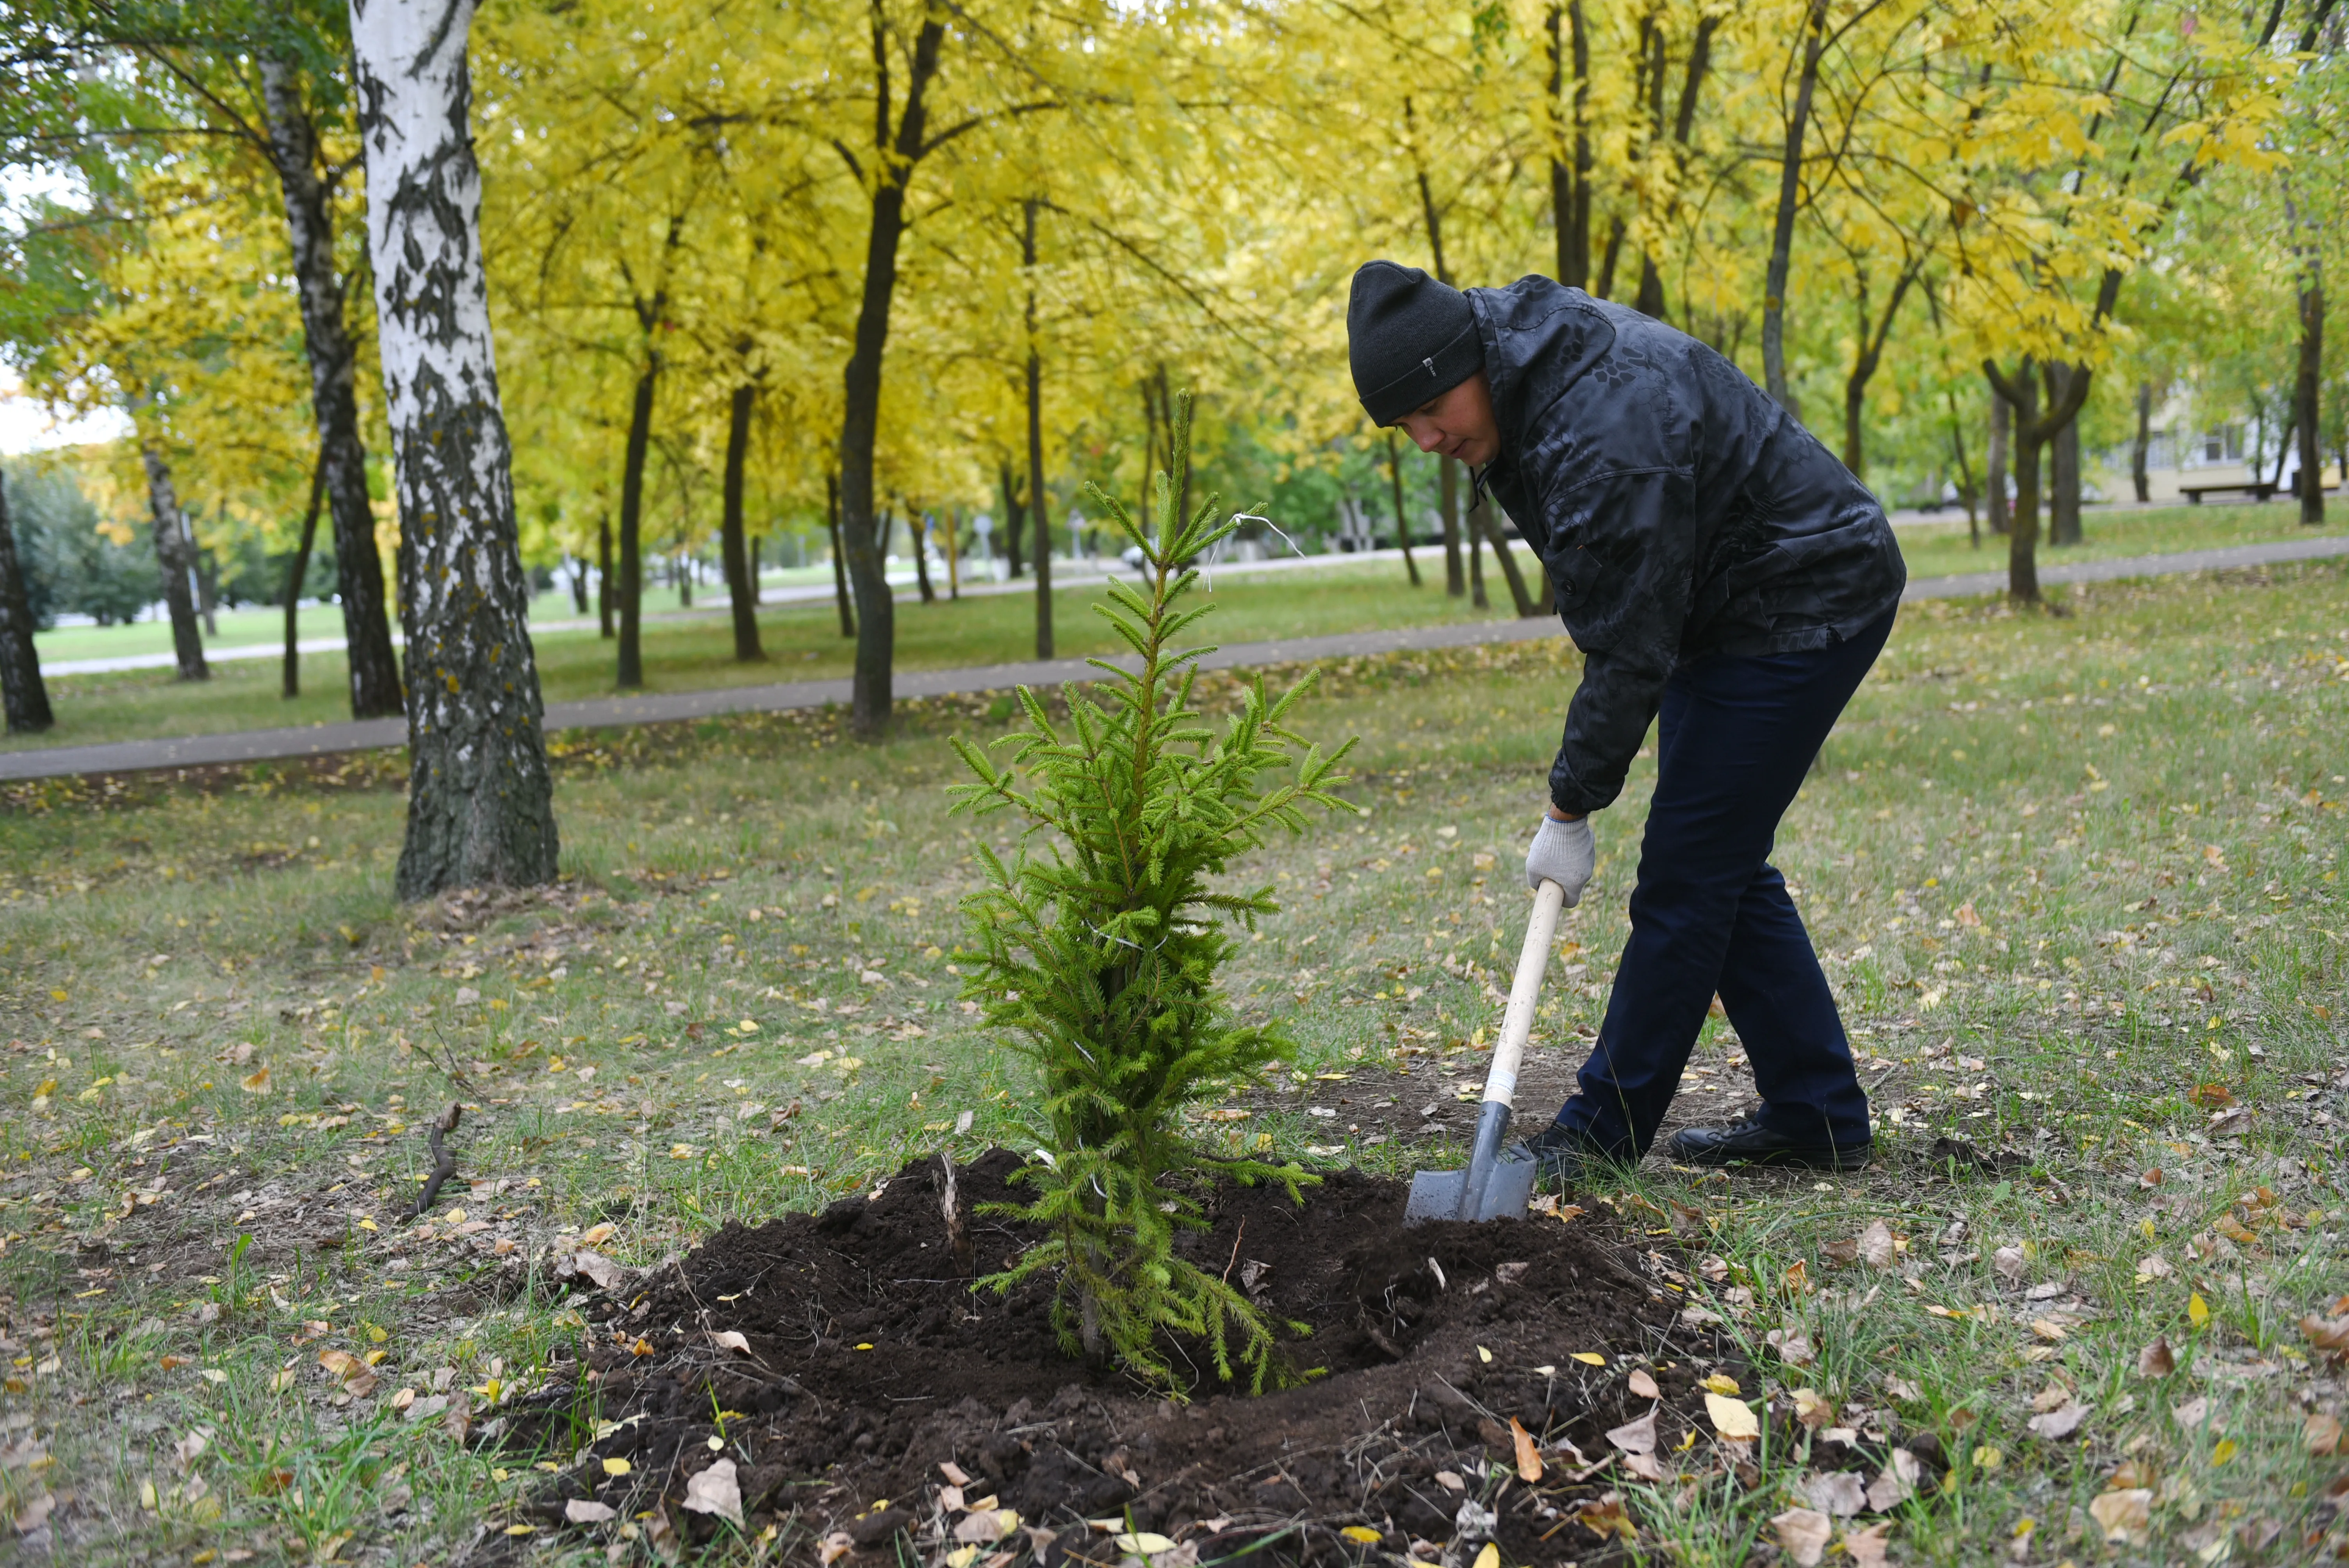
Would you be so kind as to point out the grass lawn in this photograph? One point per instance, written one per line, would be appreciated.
(803, 641)
(2075, 879)
(1939, 550)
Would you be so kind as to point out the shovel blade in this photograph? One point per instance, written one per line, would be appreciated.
(1438, 1194)
(1435, 1195)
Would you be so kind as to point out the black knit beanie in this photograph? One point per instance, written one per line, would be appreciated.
(1409, 338)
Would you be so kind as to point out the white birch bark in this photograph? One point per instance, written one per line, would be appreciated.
(479, 803)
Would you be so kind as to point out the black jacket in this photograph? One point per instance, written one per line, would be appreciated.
(1678, 510)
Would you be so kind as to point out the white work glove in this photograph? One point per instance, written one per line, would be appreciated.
(1562, 852)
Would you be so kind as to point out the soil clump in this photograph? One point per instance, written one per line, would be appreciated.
(844, 1364)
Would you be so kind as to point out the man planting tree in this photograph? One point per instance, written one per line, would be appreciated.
(1714, 563)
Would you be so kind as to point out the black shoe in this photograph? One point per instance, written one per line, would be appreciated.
(1746, 1141)
(1564, 1158)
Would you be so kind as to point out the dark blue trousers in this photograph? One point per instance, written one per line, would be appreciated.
(1710, 914)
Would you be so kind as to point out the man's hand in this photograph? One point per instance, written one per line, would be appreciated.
(1562, 852)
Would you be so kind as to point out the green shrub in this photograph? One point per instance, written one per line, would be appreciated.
(1097, 948)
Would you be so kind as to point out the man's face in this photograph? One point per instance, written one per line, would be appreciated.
(1458, 423)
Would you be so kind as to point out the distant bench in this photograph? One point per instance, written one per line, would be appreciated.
(2257, 490)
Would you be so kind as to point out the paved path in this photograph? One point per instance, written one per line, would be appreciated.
(261, 745)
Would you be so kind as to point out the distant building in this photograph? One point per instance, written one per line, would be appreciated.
(2194, 449)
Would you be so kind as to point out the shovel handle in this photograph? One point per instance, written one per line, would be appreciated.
(1525, 991)
(1508, 1051)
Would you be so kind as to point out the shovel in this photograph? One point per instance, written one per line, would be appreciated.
(1498, 1182)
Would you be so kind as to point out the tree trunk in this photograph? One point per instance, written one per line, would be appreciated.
(1790, 185)
(839, 556)
(680, 577)
(870, 702)
(603, 575)
(631, 664)
(1403, 519)
(208, 572)
(23, 693)
(2023, 523)
(1455, 576)
(1475, 561)
(1966, 492)
(172, 555)
(2141, 480)
(2001, 421)
(1036, 451)
(1569, 182)
(1606, 289)
(578, 583)
(373, 666)
(2034, 428)
(479, 795)
(1480, 517)
(1014, 516)
(2304, 392)
(297, 575)
(917, 539)
(741, 587)
(2063, 465)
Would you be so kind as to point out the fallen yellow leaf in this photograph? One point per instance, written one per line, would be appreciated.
(1360, 1533)
(1732, 1418)
(1589, 1358)
(1721, 1383)
(2197, 1311)
(1490, 1557)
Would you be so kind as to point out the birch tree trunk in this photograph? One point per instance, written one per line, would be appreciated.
(309, 224)
(480, 796)
(22, 691)
(174, 560)
(839, 558)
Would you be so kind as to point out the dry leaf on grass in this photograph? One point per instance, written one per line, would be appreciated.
(2330, 1334)
(2009, 1264)
(2156, 1359)
(2060, 1422)
(1635, 1437)
(717, 1491)
(1642, 1385)
(1793, 1346)
(579, 1510)
(1876, 1246)
(1732, 1419)
(1802, 1534)
(1896, 1483)
(1605, 1517)
(1836, 1492)
(2125, 1516)
(1529, 1463)
(1867, 1547)
(1814, 1409)
(2321, 1433)
(1645, 1466)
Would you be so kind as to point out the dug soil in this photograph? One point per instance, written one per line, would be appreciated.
(845, 1368)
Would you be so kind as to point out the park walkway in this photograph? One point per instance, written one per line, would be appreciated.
(665, 707)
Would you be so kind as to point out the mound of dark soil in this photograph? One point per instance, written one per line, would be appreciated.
(868, 1374)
